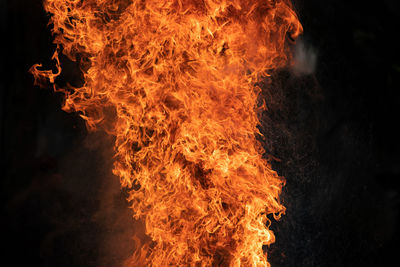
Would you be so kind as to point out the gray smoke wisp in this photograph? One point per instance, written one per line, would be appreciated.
(305, 58)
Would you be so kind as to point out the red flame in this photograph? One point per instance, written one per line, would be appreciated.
(174, 82)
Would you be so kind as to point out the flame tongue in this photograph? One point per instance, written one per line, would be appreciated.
(173, 81)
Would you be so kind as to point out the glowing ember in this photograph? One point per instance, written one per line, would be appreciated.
(174, 82)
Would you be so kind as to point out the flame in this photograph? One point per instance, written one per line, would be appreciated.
(175, 82)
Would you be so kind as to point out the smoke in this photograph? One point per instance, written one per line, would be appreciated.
(305, 58)
(110, 212)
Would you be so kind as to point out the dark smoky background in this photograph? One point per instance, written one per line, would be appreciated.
(330, 129)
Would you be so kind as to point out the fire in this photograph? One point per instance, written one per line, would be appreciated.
(175, 82)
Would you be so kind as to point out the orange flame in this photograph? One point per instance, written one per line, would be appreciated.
(174, 82)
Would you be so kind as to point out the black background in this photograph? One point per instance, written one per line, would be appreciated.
(335, 133)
